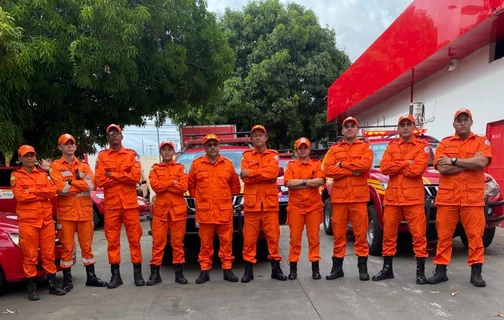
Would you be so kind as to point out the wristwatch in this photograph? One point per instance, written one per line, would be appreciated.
(69, 182)
(304, 182)
(453, 161)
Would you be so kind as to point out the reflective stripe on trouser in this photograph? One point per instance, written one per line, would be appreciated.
(131, 221)
(356, 213)
(473, 220)
(415, 217)
(85, 232)
(159, 239)
(254, 222)
(30, 240)
(225, 234)
(296, 224)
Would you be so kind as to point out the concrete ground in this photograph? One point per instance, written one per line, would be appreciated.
(264, 298)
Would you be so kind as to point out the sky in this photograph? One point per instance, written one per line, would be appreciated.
(358, 23)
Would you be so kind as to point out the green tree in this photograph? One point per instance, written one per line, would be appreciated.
(78, 65)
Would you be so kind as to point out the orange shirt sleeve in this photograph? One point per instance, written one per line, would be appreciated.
(389, 166)
(192, 180)
(85, 184)
(245, 166)
(289, 174)
(440, 151)
(21, 194)
(132, 177)
(420, 162)
(362, 164)
(330, 168)
(319, 173)
(157, 184)
(485, 148)
(235, 182)
(268, 169)
(182, 185)
(49, 190)
(101, 179)
(61, 184)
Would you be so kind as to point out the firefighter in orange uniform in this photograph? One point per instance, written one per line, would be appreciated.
(404, 161)
(169, 180)
(303, 177)
(118, 171)
(33, 190)
(348, 163)
(461, 159)
(259, 171)
(74, 180)
(212, 182)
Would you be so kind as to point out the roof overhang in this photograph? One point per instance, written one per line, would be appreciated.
(420, 42)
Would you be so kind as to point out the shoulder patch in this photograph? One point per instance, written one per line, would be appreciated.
(13, 181)
(277, 158)
(487, 142)
(426, 149)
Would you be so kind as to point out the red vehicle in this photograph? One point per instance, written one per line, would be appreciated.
(377, 182)
(98, 197)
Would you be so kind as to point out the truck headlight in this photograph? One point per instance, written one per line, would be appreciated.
(15, 238)
(492, 188)
(100, 196)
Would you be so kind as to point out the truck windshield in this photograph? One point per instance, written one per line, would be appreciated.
(234, 155)
(379, 150)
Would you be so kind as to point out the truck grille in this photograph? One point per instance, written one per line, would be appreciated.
(191, 204)
(431, 191)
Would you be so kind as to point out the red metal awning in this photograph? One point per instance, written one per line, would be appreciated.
(421, 41)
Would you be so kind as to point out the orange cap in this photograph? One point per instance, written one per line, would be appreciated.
(209, 137)
(65, 137)
(407, 117)
(259, 127)
(167, 142)
(113, 126)
(24, 149)
(461, 111)
(301, 141)
(350, 119)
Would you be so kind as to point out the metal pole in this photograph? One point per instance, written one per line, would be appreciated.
(157, 132)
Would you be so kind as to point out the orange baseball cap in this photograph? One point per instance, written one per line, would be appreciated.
(64, 138)
(259, 127)
(407, 117)
(302, 141)
(24, 149)
(167, 142)
(113, 126)
(352, 119)
(461, 111)
(210, 137)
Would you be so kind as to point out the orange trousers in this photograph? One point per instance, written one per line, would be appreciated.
(31, 238)
(131, 221)
(296, 224)
(160, 229)
(356, 213)
(254, 222)
(417, 223)
(85, 232)
(473, 220)
(206, 233)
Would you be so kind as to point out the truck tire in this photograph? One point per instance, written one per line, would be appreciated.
(96, 218)
(488, 237)
(374, 234)
(328, 217)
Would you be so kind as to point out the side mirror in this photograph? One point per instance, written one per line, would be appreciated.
(281, 171)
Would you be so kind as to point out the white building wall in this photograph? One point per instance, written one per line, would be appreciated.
(475, 84)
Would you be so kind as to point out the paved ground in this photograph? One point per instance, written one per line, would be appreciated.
(263, 298)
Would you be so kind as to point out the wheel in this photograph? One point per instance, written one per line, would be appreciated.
(328, 217)
(96, 218)
(488, 237)
(374, 233)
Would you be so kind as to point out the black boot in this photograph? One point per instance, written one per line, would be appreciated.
(420, 271)
(179, 276)
(115, 280)
(293, 271)
(92, 280)
(229, 275)
(32, 289)
(203, 277)
(315, 270)
(137, 275)
(362, 265)
(337, 269)
(476, 278)
(53, 287)
(154, 277)
(248, 275)
(276, 271)
(67, 280)
(386, 272)
(439, 275)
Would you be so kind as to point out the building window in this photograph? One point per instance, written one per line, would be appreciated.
(496, 50)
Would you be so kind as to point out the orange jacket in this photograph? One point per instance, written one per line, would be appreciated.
(212, 186)
(302, 201)
(120, 188)
(169, 195)
(33, 192)
(466, 188)
(405, 186)
(357, 157)
(74, 201)
(261, 190)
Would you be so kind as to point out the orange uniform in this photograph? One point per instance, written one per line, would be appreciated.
(405, 194)
(170, 210)
(461, 196)
(75, 208)
(261, 203)
(33, 192)
(120, 200)
(212, 186)
(304, 208)
(350, 194)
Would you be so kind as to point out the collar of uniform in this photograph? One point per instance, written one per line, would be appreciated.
(75, 160)
(122, 150)
(356, 141)
(219, 159)
(266, 150)
(456, 137)
(164, 164)
(23, 170)
(413, 140)
(300, 163)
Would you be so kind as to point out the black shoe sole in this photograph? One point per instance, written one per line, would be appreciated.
(120, 283)
(247, 280)
(153, 283)
(375, 278)
(329, 277)
(442, 280)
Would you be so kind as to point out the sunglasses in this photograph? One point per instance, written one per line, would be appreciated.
(113, 133)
